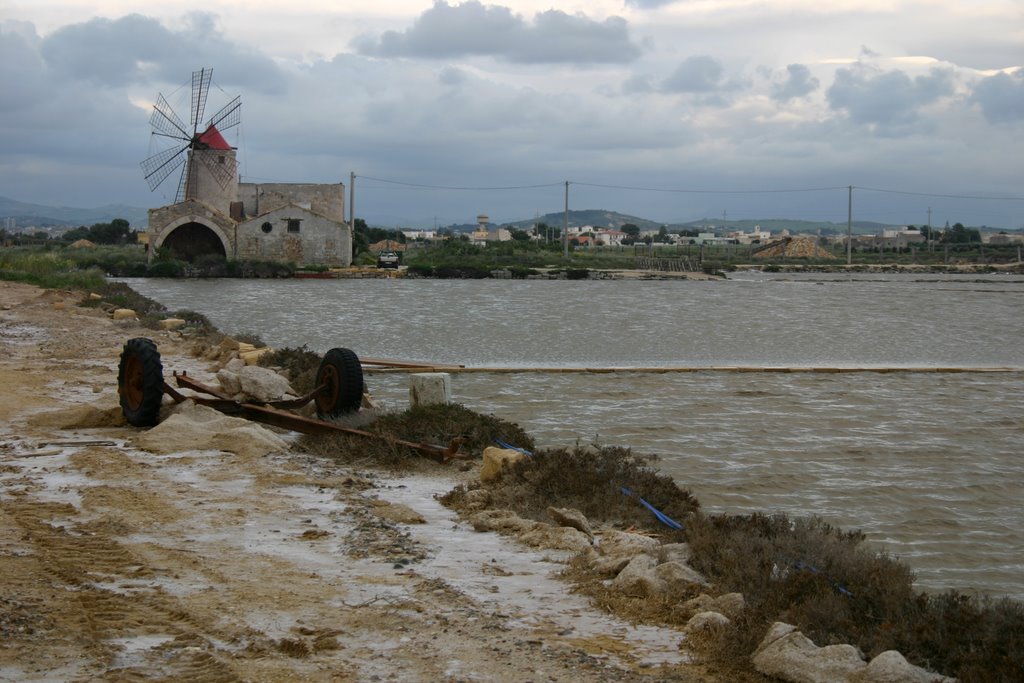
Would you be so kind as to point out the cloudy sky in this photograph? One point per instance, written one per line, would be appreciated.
(672, 110)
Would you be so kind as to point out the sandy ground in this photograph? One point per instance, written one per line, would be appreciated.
(119, 564)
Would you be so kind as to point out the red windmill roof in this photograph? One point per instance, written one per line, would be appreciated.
(213, 139)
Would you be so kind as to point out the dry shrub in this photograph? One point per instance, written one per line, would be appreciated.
(590, 480)
(434, 424)
(817, 577)
(299, 363)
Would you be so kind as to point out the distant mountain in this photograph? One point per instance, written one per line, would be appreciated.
(40, 216)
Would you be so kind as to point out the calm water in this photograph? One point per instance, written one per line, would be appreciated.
(929, 465)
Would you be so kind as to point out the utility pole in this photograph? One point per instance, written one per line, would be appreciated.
(930, 243)
(565, 224)
(849, 226)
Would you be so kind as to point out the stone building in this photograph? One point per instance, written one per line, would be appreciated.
(298, 222)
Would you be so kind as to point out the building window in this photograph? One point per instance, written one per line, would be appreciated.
(293, 224)
(220, 159)
(267, 227)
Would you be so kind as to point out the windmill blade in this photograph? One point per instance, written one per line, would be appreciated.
(200, 89)
(157, 167)
(222, 171)
(165, 122)
(229, 116)
(179, 196)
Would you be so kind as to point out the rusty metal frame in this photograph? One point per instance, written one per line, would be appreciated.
(277, 413)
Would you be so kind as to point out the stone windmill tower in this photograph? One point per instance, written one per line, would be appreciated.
(209, 169)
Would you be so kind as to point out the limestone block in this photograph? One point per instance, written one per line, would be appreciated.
(501, 520)
(794, 657)
(496, 459)
(568, 517)
(615, 543)
(430, 388)
(702, 622)
(235, 365)
(678, 577)
(229, 382)
(555, 538)
(675, 552)
(125, 314)
(892, 667)
(730, 604)
(172, 324)
(263, 384)
(396, 512)
(639, 579)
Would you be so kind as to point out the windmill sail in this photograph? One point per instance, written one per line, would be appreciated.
(193, 142)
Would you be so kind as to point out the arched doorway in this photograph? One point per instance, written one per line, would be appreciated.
(192, 240)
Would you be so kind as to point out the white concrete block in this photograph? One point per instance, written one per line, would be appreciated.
(428, 388)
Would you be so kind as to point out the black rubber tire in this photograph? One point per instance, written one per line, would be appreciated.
(140, 382)
(341, 373)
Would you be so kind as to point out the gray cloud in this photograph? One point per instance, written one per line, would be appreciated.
(446, 31)
(799, 82)
(134, 48)
(699, 74)
(1001, 97)
(889, 98)
(649, 4)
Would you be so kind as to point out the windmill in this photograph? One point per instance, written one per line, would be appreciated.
(191, 142)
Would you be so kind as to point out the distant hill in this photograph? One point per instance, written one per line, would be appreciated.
(37, 215)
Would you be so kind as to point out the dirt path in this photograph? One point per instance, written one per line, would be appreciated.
(119, 564)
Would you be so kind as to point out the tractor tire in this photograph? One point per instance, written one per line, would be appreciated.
(341, 375)
(140, 382)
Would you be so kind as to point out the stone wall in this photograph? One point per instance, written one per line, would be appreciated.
(261, 198)
(294, 234)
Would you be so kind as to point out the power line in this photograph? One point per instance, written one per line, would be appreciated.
(946, 196)
(449, 187)
(689, 191)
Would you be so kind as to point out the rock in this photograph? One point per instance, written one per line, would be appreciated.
(702, 622)
(638, 578)
(793, 657)
(622, 543)
(228, 344)
(172, 324)
(568, 517)
(701, 603)
(775, 631)
(678, 577)
(194, 427)
(730, 604)
(892, 667)
(229, 382)
(675, 552)
(430, 388)
(495, 460)
(555, 538)
(262, 384)
(501, 520)
(125, 314)
(396, 512)
(235, 365)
